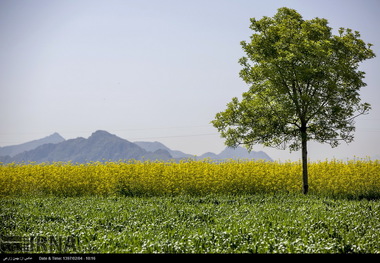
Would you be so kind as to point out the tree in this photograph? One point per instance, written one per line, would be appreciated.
(304, 85)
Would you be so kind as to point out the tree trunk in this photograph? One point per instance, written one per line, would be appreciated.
(304, 161)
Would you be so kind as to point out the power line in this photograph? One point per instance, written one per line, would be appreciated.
(114, 130)
(175, 136)
(149, 138)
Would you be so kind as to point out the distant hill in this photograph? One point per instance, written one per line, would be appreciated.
(209, 155)
(100, 146)
(154, 146)
(227, 153)
(16, 149)
(241, 153)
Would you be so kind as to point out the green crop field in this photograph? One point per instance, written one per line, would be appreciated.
(257, 223)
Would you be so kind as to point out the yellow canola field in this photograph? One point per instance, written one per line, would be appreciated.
(359, 178)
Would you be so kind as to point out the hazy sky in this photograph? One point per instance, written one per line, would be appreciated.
(151, 70)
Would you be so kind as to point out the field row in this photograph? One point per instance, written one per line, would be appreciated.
(359, 178)
(261, 223)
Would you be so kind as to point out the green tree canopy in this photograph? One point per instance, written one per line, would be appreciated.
(304, 85)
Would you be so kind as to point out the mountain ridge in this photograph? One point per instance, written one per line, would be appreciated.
(154, 146)
(104, 146)
(100, 146)
(13, 150)
(227, 153)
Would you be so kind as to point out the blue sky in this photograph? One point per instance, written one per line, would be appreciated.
(151, 70)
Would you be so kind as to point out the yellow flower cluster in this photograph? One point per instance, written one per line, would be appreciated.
(352, 178)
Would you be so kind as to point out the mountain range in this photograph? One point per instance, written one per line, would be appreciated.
(103, 146)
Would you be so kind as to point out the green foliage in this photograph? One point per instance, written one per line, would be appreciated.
(302, 79)
(304, 85)
(262, 223)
